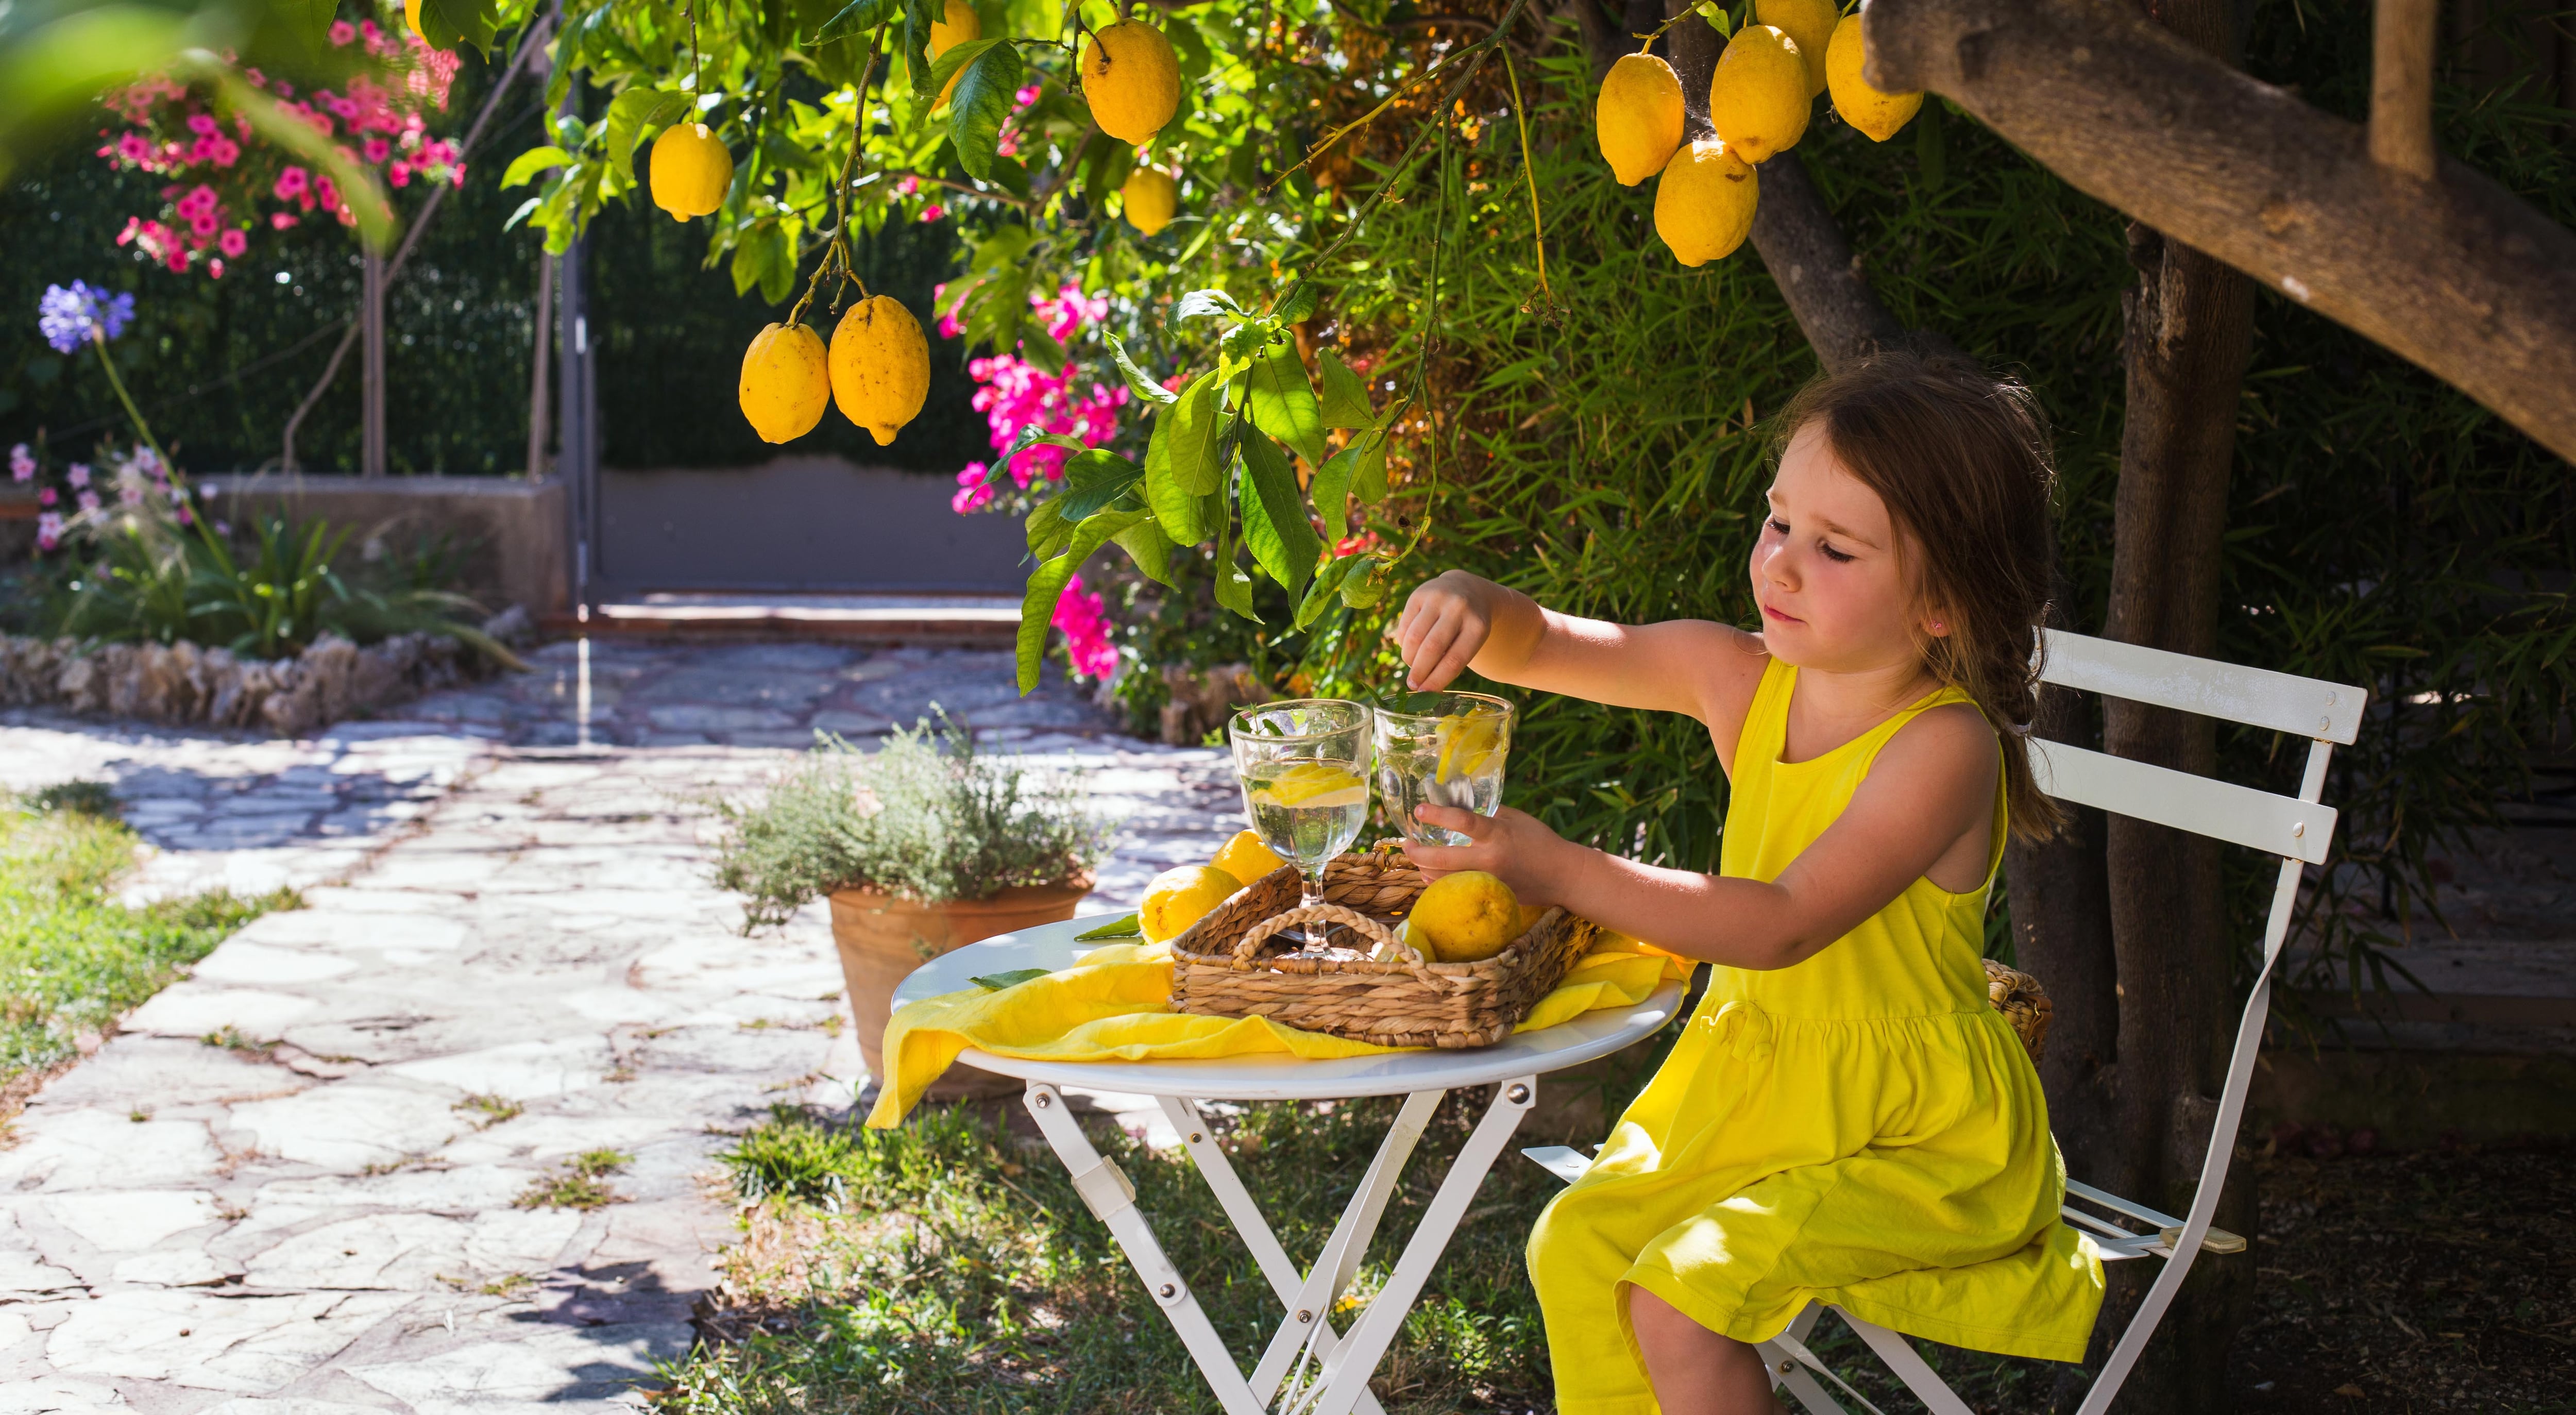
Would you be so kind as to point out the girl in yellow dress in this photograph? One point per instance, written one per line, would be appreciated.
(1845, 1119)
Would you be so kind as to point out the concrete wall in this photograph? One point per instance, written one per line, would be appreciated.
(516, 529)
(797, 524)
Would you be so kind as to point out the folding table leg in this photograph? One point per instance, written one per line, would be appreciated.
(1310, 1308)
(1274, 1261)
(1346, 1371)
(1105, 1187)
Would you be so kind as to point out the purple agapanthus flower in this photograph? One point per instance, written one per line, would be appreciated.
(67, 317)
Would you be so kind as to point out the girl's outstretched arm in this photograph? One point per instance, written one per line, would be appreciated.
(1928, 802)
(1458, 621)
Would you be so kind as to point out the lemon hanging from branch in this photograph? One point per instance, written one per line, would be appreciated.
(1704, 202)
(880, 366)
(1638, 118)
(691, 171)
(1151, 198)
(1758, 100)
(785, 385)
(1131, 79)
(957, 24)
(1809, 24)
(1873, 112)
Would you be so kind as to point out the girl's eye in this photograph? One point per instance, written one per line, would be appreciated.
(1775, 523)
(1838, 557)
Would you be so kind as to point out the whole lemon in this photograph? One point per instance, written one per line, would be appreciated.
(785, 385)
(1875, 113)
(1704, 202)
(957, 24)
(1758, 100)
(1810, 23)
(1131, 79)
(1150, 197)
(1180, 897)
(691, 170)
(1246, 858)
(880, 366)
(1638, 118)
(1465, 917)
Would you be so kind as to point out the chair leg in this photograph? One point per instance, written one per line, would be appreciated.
(1909, 1366)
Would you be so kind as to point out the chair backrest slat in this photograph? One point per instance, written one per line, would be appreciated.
(2256, 697)
(2280, 825)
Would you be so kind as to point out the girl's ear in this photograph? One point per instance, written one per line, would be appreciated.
(1936, 622)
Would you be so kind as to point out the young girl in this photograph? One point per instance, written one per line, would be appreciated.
(1846, 1119)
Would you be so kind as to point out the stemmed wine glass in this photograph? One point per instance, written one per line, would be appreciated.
(1304, 764)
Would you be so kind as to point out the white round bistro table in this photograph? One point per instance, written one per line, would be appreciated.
(1308, 1368)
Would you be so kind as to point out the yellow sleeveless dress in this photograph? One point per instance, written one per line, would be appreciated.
(1861, 1129)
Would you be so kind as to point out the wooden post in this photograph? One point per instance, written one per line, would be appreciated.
(2401, 87)
(371, 383)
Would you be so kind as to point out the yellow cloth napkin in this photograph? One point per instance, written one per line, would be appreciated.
(1116, 1005)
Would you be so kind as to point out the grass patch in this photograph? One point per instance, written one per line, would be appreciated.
(582, 1183)
(71, 958)
(489, 1110)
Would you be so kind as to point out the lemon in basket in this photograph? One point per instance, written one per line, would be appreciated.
(1464, 918)
(1181, 897)
(1246, 858)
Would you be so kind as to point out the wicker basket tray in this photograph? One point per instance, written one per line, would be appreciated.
(1233, 963)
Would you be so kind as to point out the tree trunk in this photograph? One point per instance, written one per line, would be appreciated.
(2455, 274)
(2189, 333)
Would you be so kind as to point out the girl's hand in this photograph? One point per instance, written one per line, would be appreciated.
(1510, 845)
(1445, 621)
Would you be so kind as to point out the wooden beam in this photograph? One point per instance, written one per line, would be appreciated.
(2401, 87)
(2453, 273)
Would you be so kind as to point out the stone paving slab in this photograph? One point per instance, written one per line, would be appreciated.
(510, 956)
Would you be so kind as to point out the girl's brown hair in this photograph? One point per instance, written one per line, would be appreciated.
(1962, 460)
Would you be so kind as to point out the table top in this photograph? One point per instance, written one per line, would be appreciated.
(1276, 1077)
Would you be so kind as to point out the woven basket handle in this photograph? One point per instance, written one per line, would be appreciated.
(1378, 933)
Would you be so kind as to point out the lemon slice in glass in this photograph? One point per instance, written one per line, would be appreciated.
(1313, 786)
(1469, 743)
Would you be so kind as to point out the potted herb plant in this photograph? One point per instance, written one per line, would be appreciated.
(921, 847)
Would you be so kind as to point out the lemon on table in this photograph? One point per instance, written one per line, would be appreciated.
(880, 366)
(1151, 198)
(1131, 80)
(1873, 112)
(1313, 786)
(1810, 23)
(691, 170)
(957, 23)
(1758, 100)
(1246, 858)
(1180, 897)
(1638, 118)
(785, 382)
(1704, 203)
(1465, 918)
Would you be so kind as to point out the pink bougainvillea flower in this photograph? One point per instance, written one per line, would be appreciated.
(49, 530)
(88, 501)
(133, 148)
(281, 220)
(342, 32)
(203, 223)
(932, 212)
(291, 183)
(45, 496)
(234, 241)
(906, 187)
(377, 150)
(1084, 618)
(202, 124)
(77, 474)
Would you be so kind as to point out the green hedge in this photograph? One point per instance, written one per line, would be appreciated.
(458, 340)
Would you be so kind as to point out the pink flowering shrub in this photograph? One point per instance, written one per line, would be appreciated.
(220, 175)
(74, 498)
(1015, 394)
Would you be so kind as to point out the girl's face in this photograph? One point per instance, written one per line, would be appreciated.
(1826, 572)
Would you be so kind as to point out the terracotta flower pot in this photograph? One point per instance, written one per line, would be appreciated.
(882, 938)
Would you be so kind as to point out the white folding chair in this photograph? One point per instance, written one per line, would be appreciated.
(2296, 829)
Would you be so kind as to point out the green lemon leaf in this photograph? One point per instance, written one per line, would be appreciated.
(1274, 515)
(1205, 302)
(1283, 402)
(1366, 584)
(1300, 305)
(1176, 508)
(1332, 486)
(1198, 422)
(528, 164)
(1146, 544)
(1046, 586)
(1345, 401)
(982, 104)
(917, 18)
(449, 23)
(1328, 583)
(1124, 926)
(1138, 382)
(1048, 530)
(1093, 479)
(995, 982)
(857, 17)
(629, 115)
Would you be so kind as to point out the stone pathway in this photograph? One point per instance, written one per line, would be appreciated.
(292, 1184)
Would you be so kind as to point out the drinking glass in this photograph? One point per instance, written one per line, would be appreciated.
(1441, 749)
(1304, 766)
